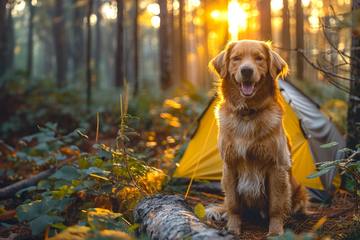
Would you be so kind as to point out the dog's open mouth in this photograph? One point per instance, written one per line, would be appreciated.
(247, 88)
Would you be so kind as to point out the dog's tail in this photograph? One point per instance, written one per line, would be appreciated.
(216, 213)
(300, 201)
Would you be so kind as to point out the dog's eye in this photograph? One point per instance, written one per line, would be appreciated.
(259, 58)
(236, 58)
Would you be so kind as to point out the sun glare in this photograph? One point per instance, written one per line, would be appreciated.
(306, 3)
(109, 11)
(93, 19)
(237, 19)
(155, 21)
(153, 8)
(276, 5)
(18, 8)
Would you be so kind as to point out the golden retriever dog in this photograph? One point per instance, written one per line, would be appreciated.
(252, 141)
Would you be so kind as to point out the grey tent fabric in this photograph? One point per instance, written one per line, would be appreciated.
(317, 128)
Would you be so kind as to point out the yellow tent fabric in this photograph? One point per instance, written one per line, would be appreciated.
(201, 159)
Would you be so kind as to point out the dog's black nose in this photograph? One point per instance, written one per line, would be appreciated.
(247, 72)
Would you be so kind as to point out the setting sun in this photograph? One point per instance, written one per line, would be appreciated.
(237, 19)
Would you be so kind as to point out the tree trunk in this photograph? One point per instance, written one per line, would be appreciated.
(169, 217)
(88, 55)
(30, 40)
(164, 49)
(207, 83)
(98, 50)
(285, 33)
(136, 47)
(353, 136)
(182, 46)
(119, 65)
(299, 39)
(3, 38)
(10, 40)
(265, 19)
(78, 40)
(59, 34)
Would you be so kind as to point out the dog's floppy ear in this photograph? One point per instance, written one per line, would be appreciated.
(277, 65)
(219, 64)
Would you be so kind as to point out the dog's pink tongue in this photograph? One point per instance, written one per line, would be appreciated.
(247, 89)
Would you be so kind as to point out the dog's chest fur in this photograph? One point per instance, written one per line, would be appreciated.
(254, 142)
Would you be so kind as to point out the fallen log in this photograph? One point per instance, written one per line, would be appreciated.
(169, 217)
(10, 190)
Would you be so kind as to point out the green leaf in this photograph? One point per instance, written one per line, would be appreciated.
(29, 211)
(28, 189)
(100, 218)
(96, 170)
(133, 228)
(200, 211)
(99, 177)
(329, 145)
(59, 226)
(346, 150)
(42, 147)
(67, 173)
(83, 163)
(321, 172)
(87, 184)
(39, 224)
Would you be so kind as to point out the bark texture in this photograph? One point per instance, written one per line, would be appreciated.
(299, 39)
(78, 39)
(354, 98)
(88, 55)
(169, 217)
(119, 65)
(285, 33)
(136, 47)
(164, 48)
(265, 19)
(60, 42)
(3, 37)
(30, 39)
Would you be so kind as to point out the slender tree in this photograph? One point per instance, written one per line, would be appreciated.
(88, 54)
(3, 37)
(264, 7)
(353, 123)
(98, 43)
(136, 47)
(30, 39)
(285, 33)
(299, 39)
(60, 44)
(78, 42)
(164, 49)
(10, 39)
(119, 64)
(182, 45)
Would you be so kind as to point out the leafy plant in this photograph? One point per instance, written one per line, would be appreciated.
(103, 183)
(349, 165)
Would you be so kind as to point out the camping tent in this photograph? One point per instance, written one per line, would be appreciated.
(308, 129)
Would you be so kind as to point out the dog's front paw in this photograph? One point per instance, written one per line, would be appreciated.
(216, 213)
(234, 224)
(276, 227)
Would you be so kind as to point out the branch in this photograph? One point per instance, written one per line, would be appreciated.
(10, 190)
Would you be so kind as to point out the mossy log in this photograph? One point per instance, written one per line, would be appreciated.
(169, 217)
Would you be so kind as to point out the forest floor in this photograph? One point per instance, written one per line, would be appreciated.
(337, 220)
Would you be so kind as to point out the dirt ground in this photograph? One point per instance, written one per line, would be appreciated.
(338, 220)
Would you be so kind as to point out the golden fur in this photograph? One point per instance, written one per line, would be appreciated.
(252, 141)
